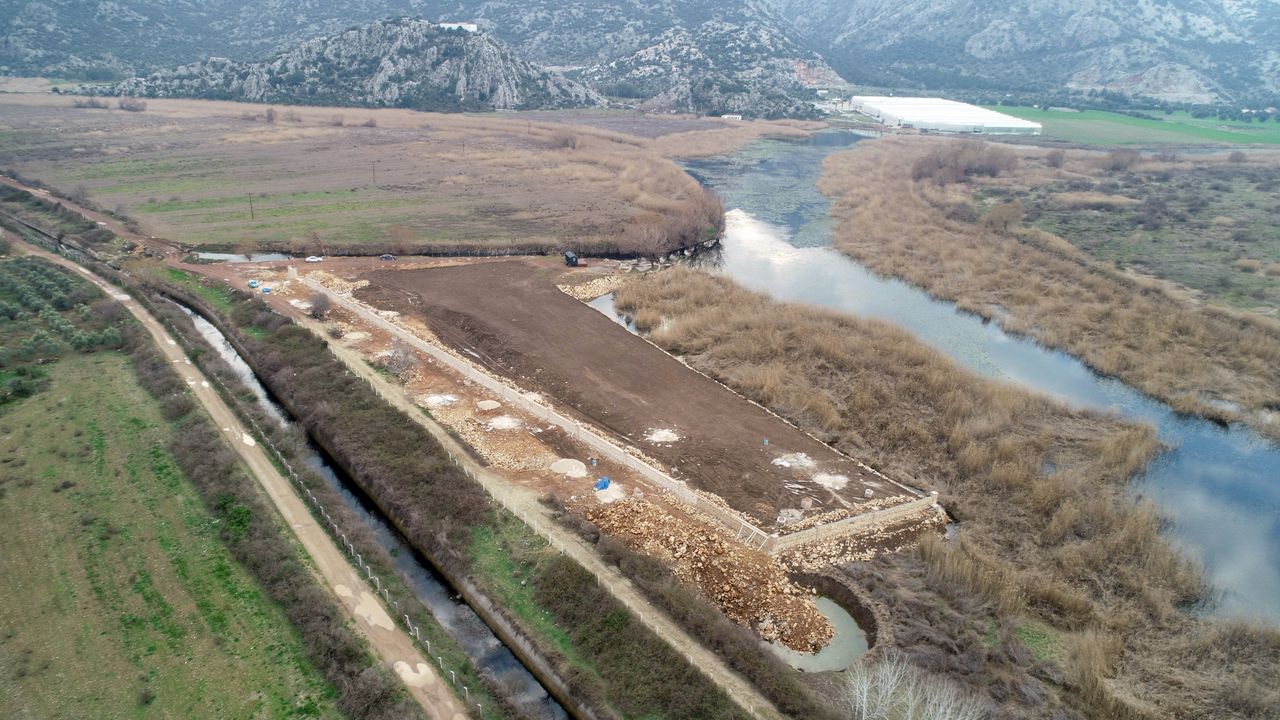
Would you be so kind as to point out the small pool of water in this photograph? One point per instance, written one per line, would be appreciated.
(849, 643)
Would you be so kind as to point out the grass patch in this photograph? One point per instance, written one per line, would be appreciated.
(126, 586)
(508, 557)
(219, 296)
(1098, 127)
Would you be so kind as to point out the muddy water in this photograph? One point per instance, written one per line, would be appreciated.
(466, 628)
(848, 644)
(1220, 487)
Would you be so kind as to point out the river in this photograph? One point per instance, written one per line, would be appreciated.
(1219, 486)
(457, 618)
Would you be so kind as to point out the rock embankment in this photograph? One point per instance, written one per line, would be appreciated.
(749, 586)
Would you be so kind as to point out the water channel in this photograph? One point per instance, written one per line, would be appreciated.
(466, 628)
(1219, 486)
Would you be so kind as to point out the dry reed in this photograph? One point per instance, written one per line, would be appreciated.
(1198, 357)
(1040, 488)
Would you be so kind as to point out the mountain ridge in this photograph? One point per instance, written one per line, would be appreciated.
(389, 63)
(761, 57)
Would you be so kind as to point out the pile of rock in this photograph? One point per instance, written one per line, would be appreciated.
(750, 586)
(863, 544)
(593, 288)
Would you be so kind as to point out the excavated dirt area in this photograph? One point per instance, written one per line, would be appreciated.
(511, 318)
(750, 586)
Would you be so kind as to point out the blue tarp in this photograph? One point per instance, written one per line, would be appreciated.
(603, 483)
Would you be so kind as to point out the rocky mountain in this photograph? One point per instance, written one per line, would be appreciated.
(1200, 51)
(697, 55)
(393, 63)
(760, 57)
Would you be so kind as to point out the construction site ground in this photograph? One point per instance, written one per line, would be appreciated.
(749, 585)
(511, 318)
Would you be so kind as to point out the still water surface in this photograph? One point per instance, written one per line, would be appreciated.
(1220, 487)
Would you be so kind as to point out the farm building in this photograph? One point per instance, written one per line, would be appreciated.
(938, 115)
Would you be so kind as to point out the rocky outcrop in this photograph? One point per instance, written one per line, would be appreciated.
(1199, 51)
(397, 63)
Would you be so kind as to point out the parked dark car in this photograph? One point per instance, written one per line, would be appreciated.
(386, 256)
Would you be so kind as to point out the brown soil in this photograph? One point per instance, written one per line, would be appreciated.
(511, 318)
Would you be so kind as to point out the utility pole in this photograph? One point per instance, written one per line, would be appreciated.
(251, 207)
(374, 164)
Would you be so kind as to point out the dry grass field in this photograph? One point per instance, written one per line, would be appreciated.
(223, 175)
(906, 207)
(1056, 566)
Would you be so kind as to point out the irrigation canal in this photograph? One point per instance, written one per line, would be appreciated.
(457, 618)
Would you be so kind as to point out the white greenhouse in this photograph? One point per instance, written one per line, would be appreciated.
(938, 115)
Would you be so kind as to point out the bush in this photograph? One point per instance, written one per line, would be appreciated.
(953, 162)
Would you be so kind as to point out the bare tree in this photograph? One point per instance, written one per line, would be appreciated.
(400, 358)
(892, 688)
(271, 116)
(401, 239)
(321, 303)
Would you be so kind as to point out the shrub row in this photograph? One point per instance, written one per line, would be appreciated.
(249, 528)
(292, 444)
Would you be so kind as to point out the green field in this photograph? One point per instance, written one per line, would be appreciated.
(121, 600)
(1097, 127)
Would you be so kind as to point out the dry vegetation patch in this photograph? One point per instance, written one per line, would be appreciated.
(225, 175)
(905, 207)
(1048, 534)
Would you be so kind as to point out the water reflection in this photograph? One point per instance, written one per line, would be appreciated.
(1219, 486)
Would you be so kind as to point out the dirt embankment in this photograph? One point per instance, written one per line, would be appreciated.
(511, 318)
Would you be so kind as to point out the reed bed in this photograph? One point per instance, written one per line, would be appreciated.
(1050, 536)
(905, 214)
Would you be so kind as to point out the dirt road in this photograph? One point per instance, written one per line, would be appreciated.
(386, 638)
(524, 503)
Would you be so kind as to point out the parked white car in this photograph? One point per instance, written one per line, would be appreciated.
(314, 258)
